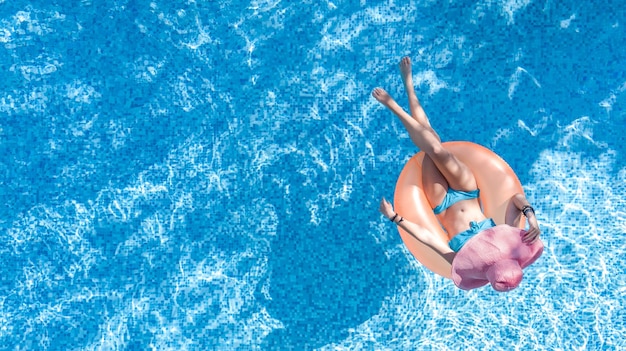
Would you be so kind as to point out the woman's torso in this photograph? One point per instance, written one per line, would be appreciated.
(457, 217)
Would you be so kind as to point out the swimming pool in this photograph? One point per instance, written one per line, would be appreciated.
(206, 174)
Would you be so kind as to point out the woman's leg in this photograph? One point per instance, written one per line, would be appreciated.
(456, 173)
(416, 108)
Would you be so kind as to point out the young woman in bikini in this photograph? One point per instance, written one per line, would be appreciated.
(449, 185)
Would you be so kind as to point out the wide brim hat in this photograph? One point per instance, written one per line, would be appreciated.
(496, 255)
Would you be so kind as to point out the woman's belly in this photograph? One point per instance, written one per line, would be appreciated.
(457, 217)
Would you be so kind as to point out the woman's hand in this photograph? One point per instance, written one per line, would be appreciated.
(520, 202)
(533, 231)
(386, 208)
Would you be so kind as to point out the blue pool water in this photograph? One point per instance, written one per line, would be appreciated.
(205, 175)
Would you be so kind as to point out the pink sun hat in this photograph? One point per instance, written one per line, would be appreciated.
(496, 255)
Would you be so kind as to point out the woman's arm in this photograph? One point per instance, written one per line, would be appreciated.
(428, 238)
(520, 201)
(522, 204)
(420, 233)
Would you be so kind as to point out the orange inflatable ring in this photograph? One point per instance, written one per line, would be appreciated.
(497, 183)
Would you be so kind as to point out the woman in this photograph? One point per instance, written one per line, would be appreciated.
(449, 185)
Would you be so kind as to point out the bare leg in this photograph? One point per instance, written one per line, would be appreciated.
(455, 172)
(407, 78)
(434, 183)
(416, 108)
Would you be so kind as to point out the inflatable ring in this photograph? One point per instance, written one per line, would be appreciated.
(497, 183)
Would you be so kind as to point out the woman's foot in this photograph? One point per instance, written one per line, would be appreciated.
(405, 71)
(383, 97)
